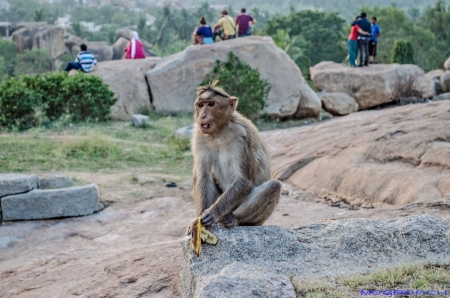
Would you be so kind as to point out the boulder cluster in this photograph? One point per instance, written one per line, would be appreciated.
(25, 197)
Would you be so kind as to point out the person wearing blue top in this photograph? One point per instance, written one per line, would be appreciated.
(85, 61)
(374, 39)
(203, 34)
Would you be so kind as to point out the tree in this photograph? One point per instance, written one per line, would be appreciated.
(164, 26)
(403, 52)
(205, 10)
(39, 15)
(8, 52)
(187, 23)
(321, 30)
(294, 48)
(77, 30)
(242, 81)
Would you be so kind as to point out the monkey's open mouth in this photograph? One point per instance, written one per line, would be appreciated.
(206, 126)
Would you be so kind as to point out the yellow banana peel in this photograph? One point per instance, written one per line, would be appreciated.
(199, 234)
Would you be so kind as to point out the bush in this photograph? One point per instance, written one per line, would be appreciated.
(23, 100)
(242, 81)
(402, 52)
(33, 61)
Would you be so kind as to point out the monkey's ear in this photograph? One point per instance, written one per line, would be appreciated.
(233, 103)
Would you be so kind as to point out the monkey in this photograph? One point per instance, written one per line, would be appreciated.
(232, 183)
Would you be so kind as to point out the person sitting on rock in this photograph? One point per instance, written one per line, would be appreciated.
(244, 22)
(135, 49)
(203, 33)
(225, 27)
(85, 61)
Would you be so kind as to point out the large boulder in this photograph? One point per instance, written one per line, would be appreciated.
(339, 103)
(289, 96)
(447, 64)
(260, 260)
(126, 78)
(369, 86)
(427, 85)
(119, 48)
(46, 37)
(380, 158)
(445, 82)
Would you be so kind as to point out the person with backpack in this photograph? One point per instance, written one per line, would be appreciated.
(244, 22)
(85, 61)
(225, 27)
(203, 33)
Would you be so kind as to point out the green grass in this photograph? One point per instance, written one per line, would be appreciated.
(94, 147)
(412, 277)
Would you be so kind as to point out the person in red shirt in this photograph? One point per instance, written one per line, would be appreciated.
(353, 43)
(243, 21)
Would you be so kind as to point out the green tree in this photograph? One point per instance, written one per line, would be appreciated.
(242, 81)
(321, 30)
(205, 10)
(294, 48)
(186, 24)
(402, 52)
(164, 26)
(39, 15)
(8, 52)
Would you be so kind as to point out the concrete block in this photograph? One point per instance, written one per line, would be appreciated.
(139, 120)
(17, 183)
(41, 204)
(55, 181)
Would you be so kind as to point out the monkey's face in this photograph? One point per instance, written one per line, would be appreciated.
(213, 113)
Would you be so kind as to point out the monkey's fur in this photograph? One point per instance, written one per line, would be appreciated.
(232, 182)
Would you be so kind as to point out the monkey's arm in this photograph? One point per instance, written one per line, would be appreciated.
(228, 201)
(204, 190)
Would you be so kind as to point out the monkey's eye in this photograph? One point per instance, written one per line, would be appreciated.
(200, 105)
(211, 104)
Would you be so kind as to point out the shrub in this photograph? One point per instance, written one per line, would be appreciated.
(402, 52)
(242, 81)
(33, 61)
(25, 101)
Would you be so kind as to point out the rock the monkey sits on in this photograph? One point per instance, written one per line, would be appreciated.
(232, 183)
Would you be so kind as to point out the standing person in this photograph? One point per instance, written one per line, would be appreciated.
(353, 42)
(374, 39)
(135, 49)
(84, 61)
(243, 22)
(203, 33)
(363, 39)
(228, 26)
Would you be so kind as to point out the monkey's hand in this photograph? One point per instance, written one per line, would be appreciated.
(209, 218)
(229, 221)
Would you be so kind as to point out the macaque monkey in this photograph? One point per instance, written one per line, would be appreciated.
(232, 183)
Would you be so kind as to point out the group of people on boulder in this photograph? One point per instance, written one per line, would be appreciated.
(363, 38)
(226, 28)
(85, 60)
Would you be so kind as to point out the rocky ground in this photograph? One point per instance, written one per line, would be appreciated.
(133, 247)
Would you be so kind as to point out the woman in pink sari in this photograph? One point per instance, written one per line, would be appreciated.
(134, 49)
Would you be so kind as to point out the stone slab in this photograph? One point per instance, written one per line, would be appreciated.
(17, 183)
(55, 181)
(140, 120)
(42, 204)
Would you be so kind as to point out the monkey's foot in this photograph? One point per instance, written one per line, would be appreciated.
(229, 221)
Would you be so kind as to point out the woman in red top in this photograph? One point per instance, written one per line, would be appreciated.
(353, 43)
(134, 49)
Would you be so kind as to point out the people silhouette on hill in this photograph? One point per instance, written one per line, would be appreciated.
(374, 39)
(353, 42)
(244, 22)
(363, 39)
(225, 27)
(85, 61)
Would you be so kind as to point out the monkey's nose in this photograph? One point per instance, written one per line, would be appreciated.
(203, 115)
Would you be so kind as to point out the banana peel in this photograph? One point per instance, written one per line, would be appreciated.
(199, 234)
